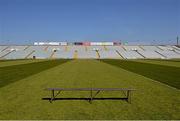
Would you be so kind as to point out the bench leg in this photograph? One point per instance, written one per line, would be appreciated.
(96, 94)
(129, 96)
(91, 97)
(52, 96)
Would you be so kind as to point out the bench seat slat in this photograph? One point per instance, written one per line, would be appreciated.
(89, 89)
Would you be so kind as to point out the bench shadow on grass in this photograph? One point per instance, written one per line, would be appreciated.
(165, 74)
(124, 97)
(10, 74)
(87, 99)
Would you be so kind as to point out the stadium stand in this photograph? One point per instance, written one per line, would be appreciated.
(37, 48)
(130, 55)
(169, 54)
(89, 52)
(165, 47)
(128, 48)
(151, 54)
(4, 53)
(41, 54)
(3, 48)
(17, 54)
(64, 54)
(151, 48)
(17, 47)
(109, 54)
(118, 48)
(76, 48)
(56, 48)
(176, 49)
(93, 48)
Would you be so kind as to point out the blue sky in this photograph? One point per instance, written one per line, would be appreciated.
(26, 21)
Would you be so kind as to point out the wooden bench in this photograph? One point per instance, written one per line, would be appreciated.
(126, 91)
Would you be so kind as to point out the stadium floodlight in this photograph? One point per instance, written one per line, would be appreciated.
(177, 40)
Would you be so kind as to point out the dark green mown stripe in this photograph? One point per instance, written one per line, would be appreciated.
(13, 60)
(167, 60)
(173, 60)
(165, 74)
(14, 73)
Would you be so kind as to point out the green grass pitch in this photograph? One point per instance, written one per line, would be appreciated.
(22, 84)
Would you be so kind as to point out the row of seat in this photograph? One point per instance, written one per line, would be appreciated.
(90, 52)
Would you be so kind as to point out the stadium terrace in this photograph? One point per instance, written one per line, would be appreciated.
(88, 50)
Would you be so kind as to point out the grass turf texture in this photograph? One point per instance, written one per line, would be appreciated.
(22, 98)
(10, 74)
(17, 62)
(162, 73)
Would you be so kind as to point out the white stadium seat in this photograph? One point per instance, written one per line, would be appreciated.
(90, 52)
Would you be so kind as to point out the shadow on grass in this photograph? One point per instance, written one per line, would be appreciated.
(177, 60)
(9, 60)
(165, 60)
(87, 99)
(14, 73)
(165, 74)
